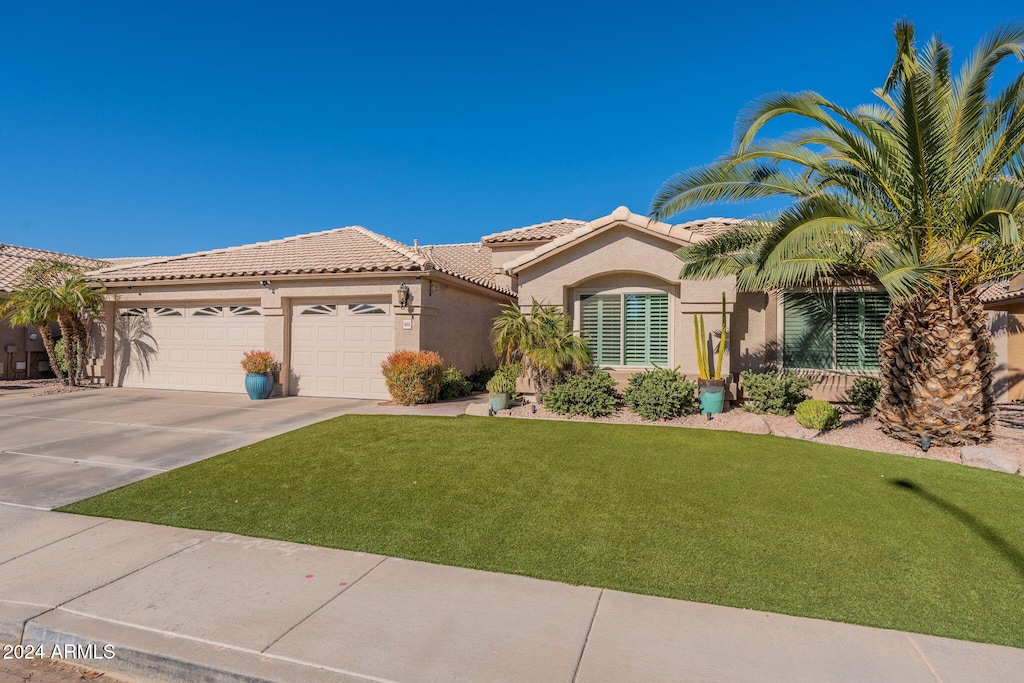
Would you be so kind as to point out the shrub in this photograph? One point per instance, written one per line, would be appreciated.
(413, 376)
(258, 362)
(58, 354)
(819, 415)
(478, 380)
(503, 380)
(592, 395)
(864, 394)
(660, 394)
(770, 393)
(453, 384)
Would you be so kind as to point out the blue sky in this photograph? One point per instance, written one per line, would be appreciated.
(144, 129)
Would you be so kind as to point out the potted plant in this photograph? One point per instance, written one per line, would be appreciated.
(502, 385)
(259, 374)
(710, 389)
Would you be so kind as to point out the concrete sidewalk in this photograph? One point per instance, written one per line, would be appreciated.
(180, 605)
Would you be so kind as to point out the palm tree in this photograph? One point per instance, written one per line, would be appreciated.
(57, 291)
(920, 191)
(543, 341)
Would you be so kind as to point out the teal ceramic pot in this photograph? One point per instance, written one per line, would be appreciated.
(499, 402)
(259, 387)
(712, 396)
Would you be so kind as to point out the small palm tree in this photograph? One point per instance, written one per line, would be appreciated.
(543, 341)
(920, 192)
(57, 291)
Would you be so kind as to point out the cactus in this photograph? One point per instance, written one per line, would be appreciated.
(703, 357)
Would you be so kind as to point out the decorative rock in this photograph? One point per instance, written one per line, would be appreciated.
(479, 409)
(749, 423)
(795, 432)
(990, 459)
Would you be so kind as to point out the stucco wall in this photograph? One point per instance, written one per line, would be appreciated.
(456, 323)
(622, 256)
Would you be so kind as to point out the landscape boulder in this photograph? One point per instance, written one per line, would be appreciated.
(990, 459)
(749, 423)
(794, 431)
(479, 409)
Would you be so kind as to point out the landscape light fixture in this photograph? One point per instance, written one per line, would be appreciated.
(926, 443)
(403, 295)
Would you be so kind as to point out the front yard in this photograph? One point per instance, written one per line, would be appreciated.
(733, 519)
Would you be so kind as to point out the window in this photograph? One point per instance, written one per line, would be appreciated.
(833, 330)
(626, 329)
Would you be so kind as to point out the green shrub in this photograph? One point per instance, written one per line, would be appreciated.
(453, 384)
(864, 394)
(58, 353)
(413, 376)
(660, 394)
(503, 380)
(770, 393)
(819, 415)
(480, 377)
(592, 395)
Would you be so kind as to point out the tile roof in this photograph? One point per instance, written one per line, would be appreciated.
(683, 233)
(712, 227)
(129, 260)
(1003, 290)
(341, 250)
(15, 260)
(468, 261)
(540, 231)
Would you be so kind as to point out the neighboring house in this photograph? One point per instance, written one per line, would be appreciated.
(22, 355)
(330, 305)
(1005, 301)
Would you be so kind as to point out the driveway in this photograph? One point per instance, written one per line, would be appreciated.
(55, 450)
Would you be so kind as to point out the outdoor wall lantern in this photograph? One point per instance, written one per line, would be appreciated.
(403, 295)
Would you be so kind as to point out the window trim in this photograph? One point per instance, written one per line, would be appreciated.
(780, 331)
(577, 317)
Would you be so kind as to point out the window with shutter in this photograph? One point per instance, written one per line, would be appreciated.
(626, 329)
(807, 331)
(835, 331)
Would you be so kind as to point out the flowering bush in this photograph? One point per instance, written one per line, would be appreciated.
(258, 362)
(413, 376)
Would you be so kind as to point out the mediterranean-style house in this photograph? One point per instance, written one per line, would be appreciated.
(332, 305)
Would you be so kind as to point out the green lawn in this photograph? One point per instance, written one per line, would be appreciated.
(750, 521)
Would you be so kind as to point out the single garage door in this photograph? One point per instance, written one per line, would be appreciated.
(337, 348)
(197, 347)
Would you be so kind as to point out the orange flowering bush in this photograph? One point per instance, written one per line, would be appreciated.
(258, 362)
(413, 376)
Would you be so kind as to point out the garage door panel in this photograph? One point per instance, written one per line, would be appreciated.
(192, 347)
(337, 348)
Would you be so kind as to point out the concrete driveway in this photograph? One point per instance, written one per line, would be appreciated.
(56, 450)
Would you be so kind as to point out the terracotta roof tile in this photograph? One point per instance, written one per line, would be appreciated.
(469, 261)
(341, 250)
(1003, 290)
(15, 260)
(540, 231)
(712, 227)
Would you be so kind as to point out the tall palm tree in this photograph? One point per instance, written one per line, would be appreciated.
(543, 341)
(57, 291)
(920, 191)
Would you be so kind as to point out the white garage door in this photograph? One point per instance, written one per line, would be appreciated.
(197, 347)
(337, 348)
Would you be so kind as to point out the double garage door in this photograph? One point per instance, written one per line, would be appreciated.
(337, 347)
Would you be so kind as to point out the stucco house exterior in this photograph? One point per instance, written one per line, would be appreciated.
(329, 305)
(332, 305)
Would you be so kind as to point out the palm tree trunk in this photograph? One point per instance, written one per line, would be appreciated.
(46, 336)
(937, 361)
(82, 345)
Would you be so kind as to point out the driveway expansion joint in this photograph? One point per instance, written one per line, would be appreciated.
(98, 524)
(927, 663)
(586, 639)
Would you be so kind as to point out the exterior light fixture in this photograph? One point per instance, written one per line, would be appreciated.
(265, 282)
(403, 295)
